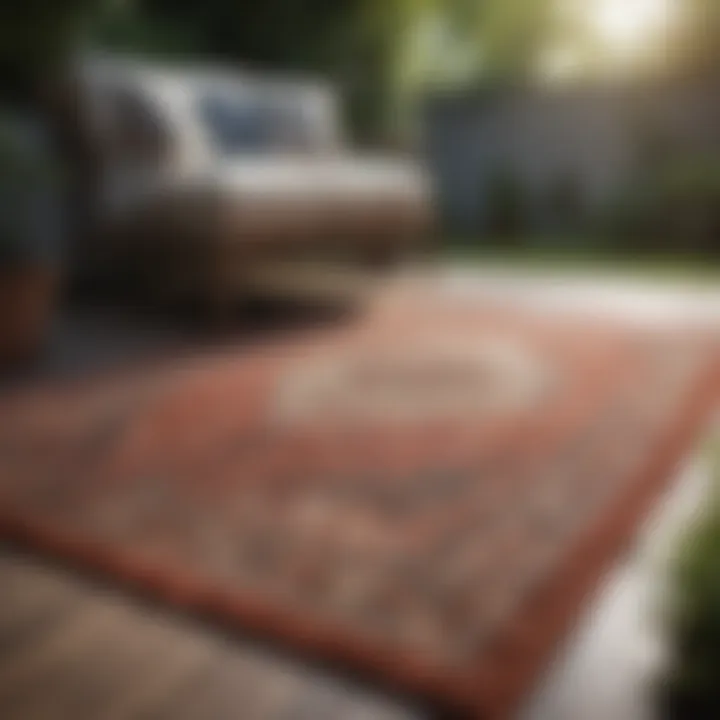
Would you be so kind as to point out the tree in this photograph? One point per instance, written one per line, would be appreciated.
(696, 42)
(36, 36)
(382, 53)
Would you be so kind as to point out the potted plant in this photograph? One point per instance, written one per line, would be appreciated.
(690, 686)
(29, 240)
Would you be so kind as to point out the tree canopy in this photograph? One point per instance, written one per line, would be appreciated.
(35, 35)
(382, 53)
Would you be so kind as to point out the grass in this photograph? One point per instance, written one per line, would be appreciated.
(580, 257)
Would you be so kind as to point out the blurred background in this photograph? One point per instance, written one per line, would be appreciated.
(544, 128)
(555, 117)
(589, 121)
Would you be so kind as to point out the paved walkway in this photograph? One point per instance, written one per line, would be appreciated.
(74, 650)
(642, 300)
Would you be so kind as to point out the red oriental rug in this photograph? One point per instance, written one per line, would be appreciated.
(426, 494)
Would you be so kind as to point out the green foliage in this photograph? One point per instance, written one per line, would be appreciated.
(513, 34)
(36, 36)
(694, 686)
(565, 202)
(504, 204)
(675, 207)
(126, 31)
(694, 44)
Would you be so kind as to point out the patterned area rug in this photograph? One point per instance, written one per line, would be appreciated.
(425, 494)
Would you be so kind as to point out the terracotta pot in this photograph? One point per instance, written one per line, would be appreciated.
(27, 302)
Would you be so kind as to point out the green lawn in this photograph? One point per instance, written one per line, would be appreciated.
(578, 258)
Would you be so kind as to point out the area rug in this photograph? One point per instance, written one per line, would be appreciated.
(426, 494)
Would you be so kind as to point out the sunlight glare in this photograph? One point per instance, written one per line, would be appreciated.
(627, 24)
